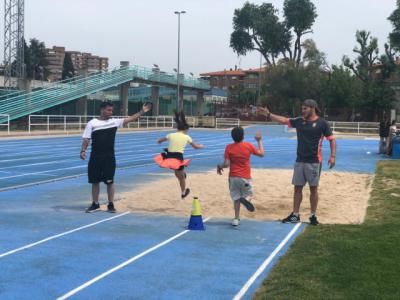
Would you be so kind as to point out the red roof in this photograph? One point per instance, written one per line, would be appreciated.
(225, 73)
(239, 72)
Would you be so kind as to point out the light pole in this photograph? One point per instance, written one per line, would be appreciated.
(259, 82)
(157, 69)
(179, 46)
(191, 100)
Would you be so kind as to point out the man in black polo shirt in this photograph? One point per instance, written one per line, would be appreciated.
(311, 130)
(101, 167)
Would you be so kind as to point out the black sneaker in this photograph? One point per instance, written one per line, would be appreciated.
(110, 207)
(187, 192)
(249, 206)
(313, 220)
(291, 219)
(93, 207)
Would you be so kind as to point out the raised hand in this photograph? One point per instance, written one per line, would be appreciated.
(263, 110)
(147, 107)
(258, 136)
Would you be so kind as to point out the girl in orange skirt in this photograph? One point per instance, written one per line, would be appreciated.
(172, 158)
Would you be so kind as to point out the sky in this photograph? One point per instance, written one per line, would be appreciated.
(145, 32)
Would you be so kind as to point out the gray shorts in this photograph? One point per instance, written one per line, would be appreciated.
(306, 172)
(240, 188)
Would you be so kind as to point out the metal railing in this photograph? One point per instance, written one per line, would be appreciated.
(5, 122)
(21, 104)
(355, 127)
(226, 122)
(67, 123)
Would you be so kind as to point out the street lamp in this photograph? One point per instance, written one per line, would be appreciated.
(259, 82)
(179, 44)
(191, 100)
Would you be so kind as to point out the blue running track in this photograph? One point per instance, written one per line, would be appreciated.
(50, 249)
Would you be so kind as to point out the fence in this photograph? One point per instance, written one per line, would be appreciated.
(226, 122)
(5, 122)
(355, 127)
(71, 122)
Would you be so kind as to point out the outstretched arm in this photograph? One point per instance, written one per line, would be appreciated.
(145, 108)
(161, 140)
(196, 146)
(265, 112)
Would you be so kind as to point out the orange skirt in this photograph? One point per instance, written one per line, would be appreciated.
(171, 163)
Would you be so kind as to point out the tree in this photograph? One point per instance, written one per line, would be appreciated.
(68, 67)
(288, 84)
(38, 61)
(368, 55)
(257, 28)
(373, 71)
(394, 36)
(300, 15)
(341, 92)
(314, 56)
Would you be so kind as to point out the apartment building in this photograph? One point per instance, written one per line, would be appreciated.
(83, 62)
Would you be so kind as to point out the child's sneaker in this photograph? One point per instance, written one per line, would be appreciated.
(93, 207)
(185, 193)
(235, 222)
(292, 218)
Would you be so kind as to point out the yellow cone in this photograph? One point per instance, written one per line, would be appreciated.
(196, 209)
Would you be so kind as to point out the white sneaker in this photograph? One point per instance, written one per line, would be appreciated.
(235, 222)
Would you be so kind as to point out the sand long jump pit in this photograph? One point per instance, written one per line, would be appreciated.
(343, 196)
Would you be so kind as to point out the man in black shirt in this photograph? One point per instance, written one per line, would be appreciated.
(311, 130)
(101, 167)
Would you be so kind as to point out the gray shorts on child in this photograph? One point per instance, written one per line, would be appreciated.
(306, 172)
(240, 188)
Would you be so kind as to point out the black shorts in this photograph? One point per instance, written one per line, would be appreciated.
(101, 169)
(176, 155)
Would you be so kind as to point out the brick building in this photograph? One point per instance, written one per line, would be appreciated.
(82, 62)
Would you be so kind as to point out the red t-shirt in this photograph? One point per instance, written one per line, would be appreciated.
(239, 156)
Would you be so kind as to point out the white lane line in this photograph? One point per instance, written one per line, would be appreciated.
(247, 285)
(121, 149)
(64, 178)
(127, 158)
(205, 156)
(60, 235)
(42, 172)
(13, 187)
(35, 147)
(124, 264)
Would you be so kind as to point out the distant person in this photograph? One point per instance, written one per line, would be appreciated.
(237, 158)
(311, 130)
(172, 158)
(392, 133)
(101, 168)
(383, 134)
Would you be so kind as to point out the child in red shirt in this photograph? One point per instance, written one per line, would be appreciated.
(237, 158)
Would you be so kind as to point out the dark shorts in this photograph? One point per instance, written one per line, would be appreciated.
(176, 155)
(101, 169)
